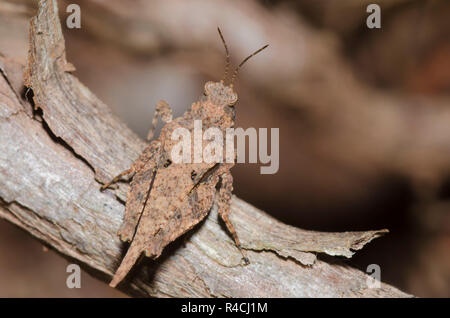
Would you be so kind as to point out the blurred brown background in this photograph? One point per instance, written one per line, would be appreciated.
(364, 116)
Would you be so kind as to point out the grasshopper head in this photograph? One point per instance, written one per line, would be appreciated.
(220, 94)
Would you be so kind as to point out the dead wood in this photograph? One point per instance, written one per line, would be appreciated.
(52, 166)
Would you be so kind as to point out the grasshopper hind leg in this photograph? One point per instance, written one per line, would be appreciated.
(143, 173)
(163, 111)
(137, 197)
(223, 202)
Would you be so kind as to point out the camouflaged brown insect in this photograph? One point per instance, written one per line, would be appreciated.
(166, 199)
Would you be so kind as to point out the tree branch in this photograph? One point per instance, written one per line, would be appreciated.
(53, 160)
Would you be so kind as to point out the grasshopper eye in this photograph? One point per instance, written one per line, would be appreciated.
(233, 99)
(167, 163)
(193, 175)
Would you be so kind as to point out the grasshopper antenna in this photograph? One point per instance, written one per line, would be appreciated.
(242, 63)
(227, 65)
